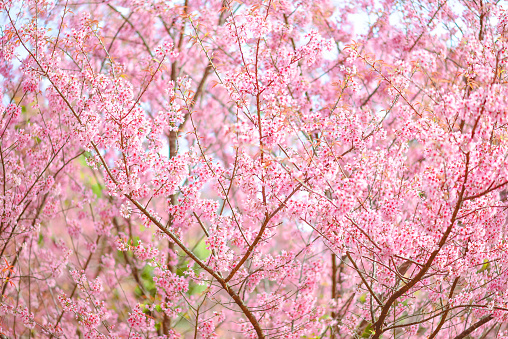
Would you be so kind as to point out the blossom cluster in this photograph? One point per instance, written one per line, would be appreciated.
(255, 169)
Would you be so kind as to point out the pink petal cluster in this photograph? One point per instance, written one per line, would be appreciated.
(253, 169)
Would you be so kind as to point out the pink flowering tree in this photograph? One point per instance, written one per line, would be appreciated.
(253, 169)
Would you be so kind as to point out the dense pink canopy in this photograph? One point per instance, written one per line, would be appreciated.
(253, 169)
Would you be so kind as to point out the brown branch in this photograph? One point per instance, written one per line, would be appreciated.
(259, 235)
(473, 327)
(471, 197)
(378, 325)
(445, 314)
(363, 279)
(221, 281)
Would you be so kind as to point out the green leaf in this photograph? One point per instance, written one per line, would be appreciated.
(368, 331)
(147, 279)
(485, 266)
